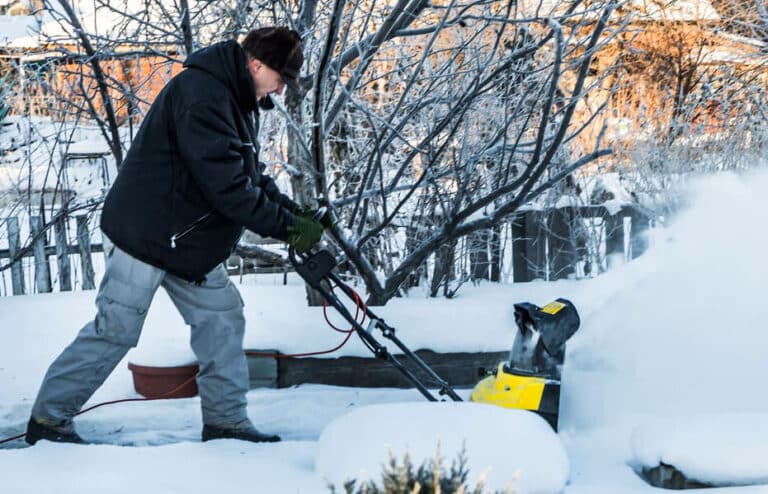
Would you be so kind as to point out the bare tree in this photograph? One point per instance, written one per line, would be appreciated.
(466, 107)
(690, 95)
(438, 119)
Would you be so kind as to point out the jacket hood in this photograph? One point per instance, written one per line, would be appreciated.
(226, 62)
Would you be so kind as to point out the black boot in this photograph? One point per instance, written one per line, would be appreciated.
(211, 432)
(37, 432)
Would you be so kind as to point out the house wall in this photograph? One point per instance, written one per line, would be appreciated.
(134, 83)
(61, 88)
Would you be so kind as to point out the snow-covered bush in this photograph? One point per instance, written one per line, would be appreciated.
(432, 477)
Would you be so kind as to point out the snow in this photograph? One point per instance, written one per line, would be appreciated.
(15, 26)
(680, 10)
(296, 328)
(668, 366)
(203, 467)
(533, 461)
(133, 20)
(91, 146)
(52, 24)
(732, 453)
(33, 156)
(649, 10)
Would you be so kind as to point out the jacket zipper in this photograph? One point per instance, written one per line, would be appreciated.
(189, 228)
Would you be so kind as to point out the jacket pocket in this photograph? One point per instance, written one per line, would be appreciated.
(189, 228)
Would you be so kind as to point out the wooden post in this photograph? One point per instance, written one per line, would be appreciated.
(443, 271)
(562, 250)
(84, 247)
(412, 238)
(62, 254)
(528, 247)
(42, 270)
(479, 259)
(614, 239)
(638, 240)
(520, 271)
(496, 253)
(14, 245)
(536, 245)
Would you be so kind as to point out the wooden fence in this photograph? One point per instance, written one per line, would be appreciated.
(41, 251)
(545, 245)
(548, 244)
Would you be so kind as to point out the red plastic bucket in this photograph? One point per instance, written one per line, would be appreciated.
(164, 382)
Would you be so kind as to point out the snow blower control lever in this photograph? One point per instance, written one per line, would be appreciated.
(316, 268)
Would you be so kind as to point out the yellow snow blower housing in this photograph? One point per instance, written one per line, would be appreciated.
(509, 390)
(530, 380)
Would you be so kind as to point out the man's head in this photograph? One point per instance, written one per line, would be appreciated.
(274, 57)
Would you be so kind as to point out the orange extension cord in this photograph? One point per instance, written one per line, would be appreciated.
(359, 308)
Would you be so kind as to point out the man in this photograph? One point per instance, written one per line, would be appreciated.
(189, 184)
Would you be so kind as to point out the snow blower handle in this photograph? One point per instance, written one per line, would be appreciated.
(292, 254)
(316, 267)
(320, 213)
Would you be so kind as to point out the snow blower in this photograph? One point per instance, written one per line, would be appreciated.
(530, 380)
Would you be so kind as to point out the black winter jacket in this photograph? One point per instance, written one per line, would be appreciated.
(191, 180)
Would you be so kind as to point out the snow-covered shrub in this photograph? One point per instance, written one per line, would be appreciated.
(432, 477)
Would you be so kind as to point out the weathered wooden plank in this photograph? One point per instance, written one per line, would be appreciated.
(536, 244)
(562, 248)
(14, 245)
(261, 256)
(250, 269)
(84, 248)
(614, 239)
(638, 234)
(62, 254)
(458, 369)
(520, 271)
(497, 253)
(262, 368)
(50, 250)
(529, 254)
(42, 269)
(479, 255)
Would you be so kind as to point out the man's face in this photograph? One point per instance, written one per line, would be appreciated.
(265, 80)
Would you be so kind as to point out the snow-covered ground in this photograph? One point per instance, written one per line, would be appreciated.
(668, 366)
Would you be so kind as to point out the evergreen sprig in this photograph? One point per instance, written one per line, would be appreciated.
(429, 478)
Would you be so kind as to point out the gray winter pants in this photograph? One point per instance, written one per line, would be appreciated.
(214, 311)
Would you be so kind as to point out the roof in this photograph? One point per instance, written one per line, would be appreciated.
(94, 19)
(674, 10)
(13, 27)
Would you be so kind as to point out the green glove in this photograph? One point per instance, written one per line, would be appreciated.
(326, 220)
(304, 233)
